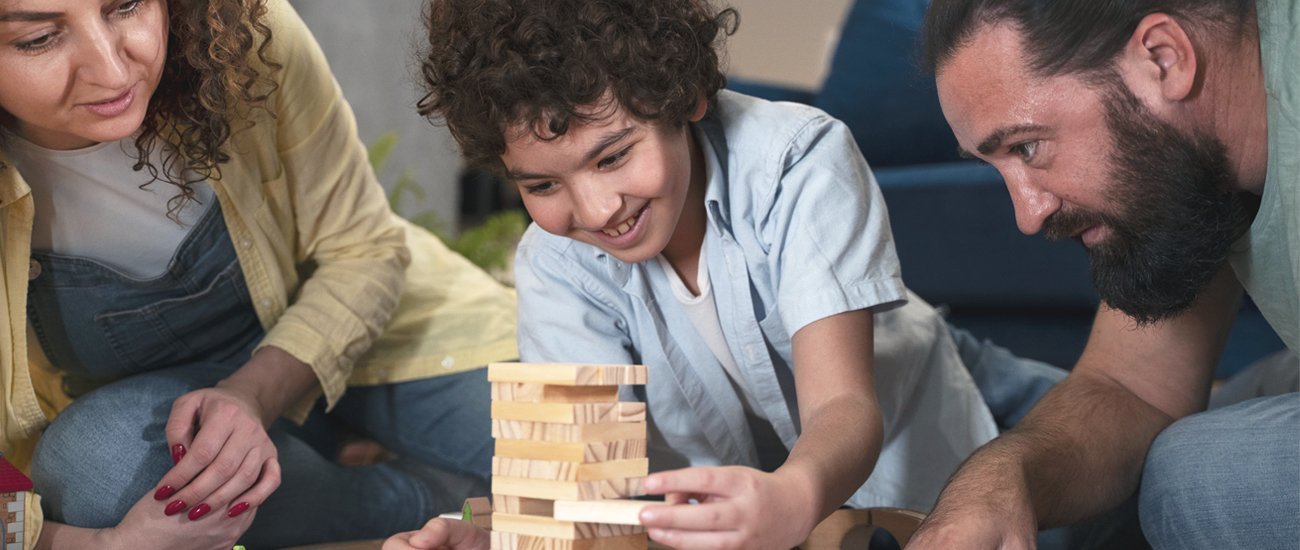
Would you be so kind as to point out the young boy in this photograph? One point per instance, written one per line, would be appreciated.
(738, 248)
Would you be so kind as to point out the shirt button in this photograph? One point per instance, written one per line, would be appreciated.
(245, 243)
(266, 302)
(448, 362)
(33, 270)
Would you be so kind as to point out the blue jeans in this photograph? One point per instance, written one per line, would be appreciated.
(130, 347)
(1228, 477)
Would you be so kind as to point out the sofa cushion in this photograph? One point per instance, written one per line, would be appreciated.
(875, 85)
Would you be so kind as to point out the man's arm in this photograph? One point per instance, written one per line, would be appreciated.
(1080, 451)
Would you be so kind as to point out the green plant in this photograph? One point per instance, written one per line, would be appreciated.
(489, 245)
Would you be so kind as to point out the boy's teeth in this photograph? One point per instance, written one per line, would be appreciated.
(621, 229)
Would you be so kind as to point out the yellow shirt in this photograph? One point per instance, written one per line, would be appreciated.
(337, 279)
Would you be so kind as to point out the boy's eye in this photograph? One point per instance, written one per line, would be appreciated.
(614, 158)
(539, 188)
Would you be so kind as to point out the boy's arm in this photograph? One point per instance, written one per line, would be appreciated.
(842, 433)
(1080, 451)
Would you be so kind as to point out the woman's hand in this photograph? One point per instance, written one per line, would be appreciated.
(440, 534)
(145, 526)
(224, 459)
(738, 507)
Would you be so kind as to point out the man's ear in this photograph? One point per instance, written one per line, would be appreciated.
(1160, 54)
(700, 108)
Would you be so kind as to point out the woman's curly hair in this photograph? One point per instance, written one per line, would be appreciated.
(494, 65)
(208, 79)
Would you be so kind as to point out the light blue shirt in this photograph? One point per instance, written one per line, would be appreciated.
(797, 231)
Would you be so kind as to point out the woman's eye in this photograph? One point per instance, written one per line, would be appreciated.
(36, 44)
(129, 7)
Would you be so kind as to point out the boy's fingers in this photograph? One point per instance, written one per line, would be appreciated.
(695, 539)
(688, 517)
(705, 480)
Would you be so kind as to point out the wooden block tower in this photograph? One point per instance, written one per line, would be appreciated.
(13, 497)
(562, 434)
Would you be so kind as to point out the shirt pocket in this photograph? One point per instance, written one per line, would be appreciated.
(213, 324)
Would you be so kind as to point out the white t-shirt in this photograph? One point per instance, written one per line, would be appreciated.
(90, 204)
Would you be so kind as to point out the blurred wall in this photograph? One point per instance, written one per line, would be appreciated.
(372, 51)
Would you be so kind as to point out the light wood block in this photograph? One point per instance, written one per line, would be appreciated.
(480, 509)
(567, 490)
(551, 393)
(567, 374)
(596, 451)
(549, 527)
(514, 541)
(622, 512)
(569, 471)
(569, 413)
(572, 433)
(512, 504)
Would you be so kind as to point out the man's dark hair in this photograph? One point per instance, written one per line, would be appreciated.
(1068, 36)
(494, 65)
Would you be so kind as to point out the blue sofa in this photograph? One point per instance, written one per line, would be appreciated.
(953, 220)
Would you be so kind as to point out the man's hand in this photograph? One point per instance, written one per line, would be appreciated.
(441, 534)
(985, 506)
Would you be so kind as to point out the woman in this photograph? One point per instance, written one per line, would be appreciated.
(194, 246)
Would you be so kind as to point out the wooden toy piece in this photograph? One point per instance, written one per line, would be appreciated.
(538, 526)
(568, 490)
(13, 501)
(477, 510)
(596, 451)
(515, 541)
(832, 531)
(551, 393)
(569, 471)
(569, 413)
(568, 374)
(511, 504)
(570, 433)
(622, 512)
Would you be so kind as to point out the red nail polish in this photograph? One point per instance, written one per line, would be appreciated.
(163, 492)
(199, 511)
(178, 452)
(174, 507)
(237, 509)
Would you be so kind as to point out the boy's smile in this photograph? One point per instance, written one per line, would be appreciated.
(615, 182)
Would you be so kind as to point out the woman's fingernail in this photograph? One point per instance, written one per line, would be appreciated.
(237, 509)
(178, 452)
(199, 511)
(163, 492)
(174, 507)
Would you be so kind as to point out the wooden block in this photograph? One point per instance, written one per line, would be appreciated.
(596, 451)
(480, 510)
(567, 490)
(569, 471)
(568, 374)
(572, 433)
(512, 504)
(550, 527)
(551, 393)
(623, 512)
(514, 541)
(569, 413)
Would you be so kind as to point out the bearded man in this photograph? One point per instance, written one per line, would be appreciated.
(1165, 136)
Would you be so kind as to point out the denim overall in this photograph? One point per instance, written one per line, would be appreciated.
(130, 347)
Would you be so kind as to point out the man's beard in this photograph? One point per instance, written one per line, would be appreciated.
(1177, 218)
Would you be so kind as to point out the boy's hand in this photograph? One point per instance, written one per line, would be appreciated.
(441, 534)
(738, 507)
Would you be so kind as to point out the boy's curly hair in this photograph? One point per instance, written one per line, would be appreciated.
(493, 65)
(208, 78)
